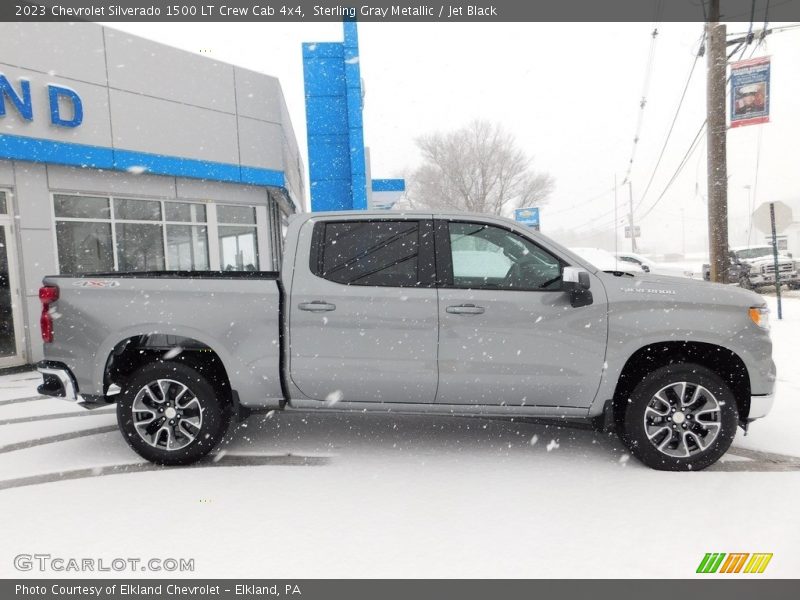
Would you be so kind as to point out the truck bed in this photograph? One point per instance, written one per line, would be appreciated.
(171, 312)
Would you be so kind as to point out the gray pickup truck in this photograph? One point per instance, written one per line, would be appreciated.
(447, 314)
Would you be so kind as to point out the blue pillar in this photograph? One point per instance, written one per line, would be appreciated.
(336, 156)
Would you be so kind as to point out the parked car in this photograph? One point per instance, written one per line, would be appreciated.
(675, 269)
(376, 311)
(606, 261)
(753, 267)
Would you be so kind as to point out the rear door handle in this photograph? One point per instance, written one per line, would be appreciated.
(466, 309)
(316, 306)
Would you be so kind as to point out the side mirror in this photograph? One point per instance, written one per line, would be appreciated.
(645, 268)
(576, 282)
(574, 279)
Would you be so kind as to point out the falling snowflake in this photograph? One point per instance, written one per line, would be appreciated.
(334, 397)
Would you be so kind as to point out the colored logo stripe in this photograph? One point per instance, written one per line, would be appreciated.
(758, 563)
(734, 562)
(713, 562)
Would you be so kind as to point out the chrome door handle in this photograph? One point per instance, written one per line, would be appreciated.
(466, 309)
(316, 306)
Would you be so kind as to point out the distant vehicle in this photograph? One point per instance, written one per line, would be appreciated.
(753, 268)
(650, 266)
(606, 261)
(379, 311)
(647, 265)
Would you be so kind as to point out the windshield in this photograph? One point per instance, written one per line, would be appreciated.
(754, 252)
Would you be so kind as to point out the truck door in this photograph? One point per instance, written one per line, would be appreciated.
(363, 313)
(508, 335)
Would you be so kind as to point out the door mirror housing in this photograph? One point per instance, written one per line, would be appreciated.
(576, 282)
(575, 279)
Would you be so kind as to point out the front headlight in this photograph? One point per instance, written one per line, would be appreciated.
(760, 316)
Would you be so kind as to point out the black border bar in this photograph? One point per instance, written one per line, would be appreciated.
(397, 11)
(709, 587)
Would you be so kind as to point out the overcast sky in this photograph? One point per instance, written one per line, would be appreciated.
(569, 92)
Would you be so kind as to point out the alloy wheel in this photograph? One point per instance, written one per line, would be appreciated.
(167, 415)
(682, 419)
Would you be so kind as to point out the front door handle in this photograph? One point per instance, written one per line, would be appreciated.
(466, 309)
(316, 306)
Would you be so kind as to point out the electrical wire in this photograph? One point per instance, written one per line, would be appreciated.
(692, 147)
(645, 89)
(669, 131)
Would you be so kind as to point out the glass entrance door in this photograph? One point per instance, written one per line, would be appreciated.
(10, 336)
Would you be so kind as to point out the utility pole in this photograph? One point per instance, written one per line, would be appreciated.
(630, 216)
(616, 222)
(716, 137)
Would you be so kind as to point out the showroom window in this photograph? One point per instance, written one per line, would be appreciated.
(98, 234)
(237, 235)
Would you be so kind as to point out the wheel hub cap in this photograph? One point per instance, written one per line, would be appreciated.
(682, 419)
(167, 415)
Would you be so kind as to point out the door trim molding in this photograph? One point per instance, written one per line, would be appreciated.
(464, 410)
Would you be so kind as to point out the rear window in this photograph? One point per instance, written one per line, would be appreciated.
(373, 253)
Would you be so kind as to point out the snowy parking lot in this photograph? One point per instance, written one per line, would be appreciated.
(302, 495)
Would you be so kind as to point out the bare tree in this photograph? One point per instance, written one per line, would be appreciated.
(478, 168)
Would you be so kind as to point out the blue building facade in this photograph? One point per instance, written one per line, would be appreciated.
(337, 158)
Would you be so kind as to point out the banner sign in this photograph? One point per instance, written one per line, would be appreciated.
(528, 216)
(750, 91)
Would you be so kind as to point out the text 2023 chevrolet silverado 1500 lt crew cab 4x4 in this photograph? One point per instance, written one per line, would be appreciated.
(450, 314)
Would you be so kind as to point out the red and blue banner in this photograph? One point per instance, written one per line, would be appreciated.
(750, 91)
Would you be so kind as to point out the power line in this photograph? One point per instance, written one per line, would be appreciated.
(581, 203)
(645, 89)
(669, 132)
(684, 160)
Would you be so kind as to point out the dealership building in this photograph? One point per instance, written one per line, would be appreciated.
(119, 153)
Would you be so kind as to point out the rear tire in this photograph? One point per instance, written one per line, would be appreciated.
(170, 414)
(680, 417)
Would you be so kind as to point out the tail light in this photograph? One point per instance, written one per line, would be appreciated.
(47, 295)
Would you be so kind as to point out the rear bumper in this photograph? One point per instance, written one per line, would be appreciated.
(760, 406)
(58, 381)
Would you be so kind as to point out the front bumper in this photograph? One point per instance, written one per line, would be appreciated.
(769, 278)
(760, 406)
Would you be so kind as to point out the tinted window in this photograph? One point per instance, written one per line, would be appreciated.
(236, 214)
(137, 210)
(487, 257)
(377, 253)
(84, 247)
(81, 207)
(182, 211)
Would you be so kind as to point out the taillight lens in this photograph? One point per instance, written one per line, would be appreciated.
(47, 295)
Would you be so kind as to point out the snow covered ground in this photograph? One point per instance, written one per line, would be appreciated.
(296, 495)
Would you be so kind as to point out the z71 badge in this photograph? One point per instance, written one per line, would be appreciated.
(96, 283)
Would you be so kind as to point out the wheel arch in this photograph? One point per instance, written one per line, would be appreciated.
(722, 361)
(133, 352)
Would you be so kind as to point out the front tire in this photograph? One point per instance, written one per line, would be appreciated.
(170, 414)
(680, 417)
